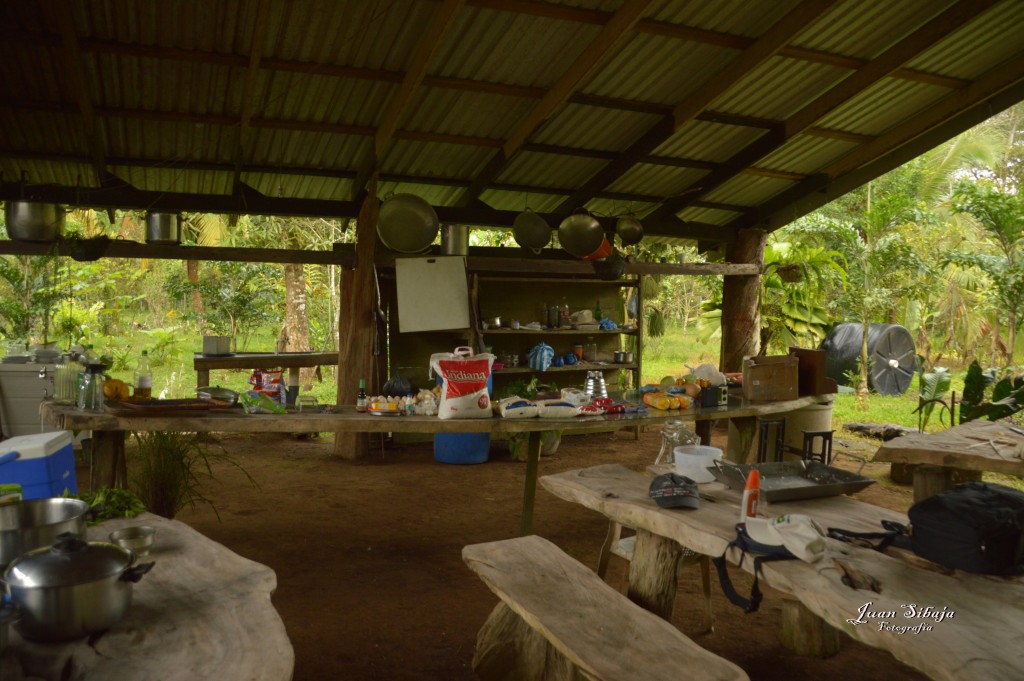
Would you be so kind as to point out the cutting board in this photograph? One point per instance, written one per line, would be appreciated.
(432, 293)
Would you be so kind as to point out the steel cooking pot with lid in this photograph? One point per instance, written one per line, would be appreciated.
(73, 588)
(34, 523)
(163, 228)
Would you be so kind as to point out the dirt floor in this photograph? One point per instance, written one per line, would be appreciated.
(367, 554)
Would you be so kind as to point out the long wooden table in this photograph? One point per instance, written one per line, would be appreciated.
(982, 618)
(202, 612)
(109, 430)
(293, 361)
(992, 446)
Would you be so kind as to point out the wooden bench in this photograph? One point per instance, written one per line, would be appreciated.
(558, 620)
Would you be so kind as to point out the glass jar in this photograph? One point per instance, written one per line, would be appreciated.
(674, 434)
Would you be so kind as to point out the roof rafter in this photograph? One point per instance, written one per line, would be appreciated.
(73, 67)
(776, 37)
(433, 37)
(614, 31)
(919, 40)
(259, 35)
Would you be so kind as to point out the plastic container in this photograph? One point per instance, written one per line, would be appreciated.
(45, 467)
(463, 448)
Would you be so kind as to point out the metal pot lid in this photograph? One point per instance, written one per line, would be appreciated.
(531, 231)
(69, 562)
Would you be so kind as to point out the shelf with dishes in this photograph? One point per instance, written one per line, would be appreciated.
(579, 366)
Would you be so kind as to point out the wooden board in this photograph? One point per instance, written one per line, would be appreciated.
(203, 612)
(980, 641)
(976, 445)
(586, 620)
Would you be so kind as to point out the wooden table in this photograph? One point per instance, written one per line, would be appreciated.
(992, 446)
(109, 430)
(293, 361)
(203, 612)
(980, 641)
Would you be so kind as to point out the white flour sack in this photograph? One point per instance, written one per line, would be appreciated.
(464, 383)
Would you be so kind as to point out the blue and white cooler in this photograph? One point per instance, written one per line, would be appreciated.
(44, 465)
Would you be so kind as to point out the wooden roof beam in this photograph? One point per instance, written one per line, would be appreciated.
(60, 14)
(921, 39)
(762, 49)
(259, 35)
(612, 33)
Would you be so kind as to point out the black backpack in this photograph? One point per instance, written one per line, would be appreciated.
(974, 527)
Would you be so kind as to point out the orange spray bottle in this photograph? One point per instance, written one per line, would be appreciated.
(751, 495)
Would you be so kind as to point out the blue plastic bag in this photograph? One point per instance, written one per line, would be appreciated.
(540, 357)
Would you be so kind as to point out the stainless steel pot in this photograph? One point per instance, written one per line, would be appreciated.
(35, 523)
(163, 228)
(34, 221)
(73, 588)
(580, 234)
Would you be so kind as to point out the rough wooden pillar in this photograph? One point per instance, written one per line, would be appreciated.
(931, 480)
(804, 633)
(357, 324)
(741, 315)
(652, 573)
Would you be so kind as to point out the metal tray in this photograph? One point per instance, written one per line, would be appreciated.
(789, 480)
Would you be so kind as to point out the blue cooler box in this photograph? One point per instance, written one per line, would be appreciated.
(45, 467)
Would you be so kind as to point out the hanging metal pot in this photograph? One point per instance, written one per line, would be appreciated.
(163, 228)
(407, 223)
(531, 231)
(630, 230)
(34, 221)
(580, 234)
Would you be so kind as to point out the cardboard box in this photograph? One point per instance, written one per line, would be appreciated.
(811, 369)
(45, 467)
(770, 379)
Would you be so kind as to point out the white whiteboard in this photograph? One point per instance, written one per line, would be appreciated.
(432, 293)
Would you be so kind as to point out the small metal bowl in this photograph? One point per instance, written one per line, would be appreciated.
(138, 539)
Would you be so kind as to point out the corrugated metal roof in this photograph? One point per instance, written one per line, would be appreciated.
(710, 216)
(618, 208)
(169, 83)
(43, 172)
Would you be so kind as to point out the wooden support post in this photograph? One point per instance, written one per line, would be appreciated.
(741, 438)
(804, 633)
(902, 473)
(741, 315)
(508, 649)
(358, 325)
(931, 480)
(652, 573)
(530, 484)
(108, 466)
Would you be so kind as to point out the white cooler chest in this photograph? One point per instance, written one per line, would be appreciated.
(45, 467)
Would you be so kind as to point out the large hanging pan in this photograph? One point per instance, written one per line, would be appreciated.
(531, 231)
(407, 223)
(580, 234)
(630, 231)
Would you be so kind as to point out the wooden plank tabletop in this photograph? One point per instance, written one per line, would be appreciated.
(979, 641)
(347, 419)
(976, 445)
(263, 360)
(202, 612)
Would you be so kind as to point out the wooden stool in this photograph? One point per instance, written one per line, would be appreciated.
(780, 440)
(622, 547)
(825, 454)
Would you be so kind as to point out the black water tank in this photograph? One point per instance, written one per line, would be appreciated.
(891, 354)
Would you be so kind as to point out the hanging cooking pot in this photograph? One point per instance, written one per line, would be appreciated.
(407, 223)
(163, 228)
(73, 588)
(580, 234)
(531, 231)
(34, 523)
(34, 221)
(630, 230)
